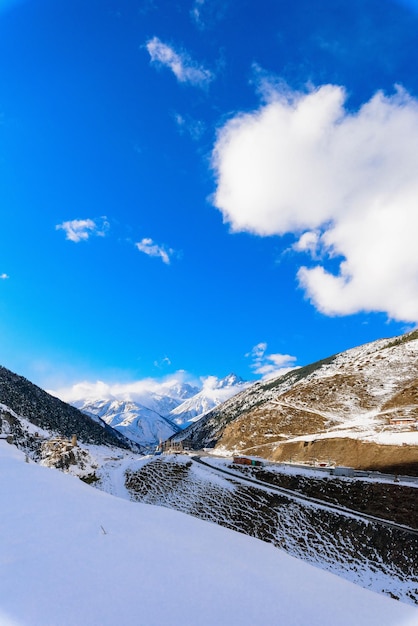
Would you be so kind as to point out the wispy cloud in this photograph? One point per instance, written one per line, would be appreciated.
(164, 362)
(196, 12)
(344, 183)
(180, 63)
(82, 230)
(205, 13)
(270, 365)
(4, 276)
(149, 247)
(186, 124)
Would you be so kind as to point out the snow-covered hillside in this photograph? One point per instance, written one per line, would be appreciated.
(72, 555)
(368, 395)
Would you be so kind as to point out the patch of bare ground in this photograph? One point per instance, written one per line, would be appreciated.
(260, 424)
(368, 553)
(355, 453)
(405, 401)
(393, 502)
(340, 393)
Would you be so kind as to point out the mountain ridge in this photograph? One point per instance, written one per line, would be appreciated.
(356, 394)
(153, 416)
(20, 398)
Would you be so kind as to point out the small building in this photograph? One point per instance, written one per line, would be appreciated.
(243, 460)
(403, 421)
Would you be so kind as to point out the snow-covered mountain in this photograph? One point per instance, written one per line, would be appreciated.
(214, 392)
(155, 414)
(357, 408)
(143, 425)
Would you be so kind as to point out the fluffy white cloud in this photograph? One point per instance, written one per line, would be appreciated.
(346, 183)
(135, 391)
(149, 247)
(180, 63)
(4, 276)
(270, 365)
(308, 242)
(81, 230)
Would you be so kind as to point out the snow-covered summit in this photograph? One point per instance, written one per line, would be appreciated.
(214, 392)
(148, 412)
(230, 381)
(142, 424)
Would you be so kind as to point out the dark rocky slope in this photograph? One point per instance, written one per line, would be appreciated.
(47, 412)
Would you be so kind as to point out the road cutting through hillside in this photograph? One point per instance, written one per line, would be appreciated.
(302, 498)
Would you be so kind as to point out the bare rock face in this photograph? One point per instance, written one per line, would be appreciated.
(60, 453)
(357, 408)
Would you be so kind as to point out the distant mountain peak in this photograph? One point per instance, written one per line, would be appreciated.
(230, 380)
(150, 415)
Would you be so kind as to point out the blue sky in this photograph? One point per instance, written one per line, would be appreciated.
(204, 186)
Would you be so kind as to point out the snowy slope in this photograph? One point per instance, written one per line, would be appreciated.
(77, 556)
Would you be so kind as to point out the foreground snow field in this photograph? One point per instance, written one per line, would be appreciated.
(74, 556)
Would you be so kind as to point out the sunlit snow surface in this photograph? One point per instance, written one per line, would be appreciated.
(74, 556)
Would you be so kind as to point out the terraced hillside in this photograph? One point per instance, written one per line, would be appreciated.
(368, 553)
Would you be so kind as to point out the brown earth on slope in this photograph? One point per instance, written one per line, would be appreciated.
(340, 394)
(405, 402)
(364, 455)
(357, 394)
(257, 426)
(308, 410)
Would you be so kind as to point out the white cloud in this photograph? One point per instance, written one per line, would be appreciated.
(4, 276)
(180, 63)
(134, 391)
(346, 183)
(164, 362)
(308, 242)
(270, 365)
(82, 230)
(147, 246)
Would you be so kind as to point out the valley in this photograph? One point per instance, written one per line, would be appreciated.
(336, 444)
